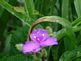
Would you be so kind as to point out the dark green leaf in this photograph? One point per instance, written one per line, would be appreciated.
(70, 55)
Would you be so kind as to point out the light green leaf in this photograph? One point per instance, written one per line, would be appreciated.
(19, 9)
(19, 46)
(78, 7)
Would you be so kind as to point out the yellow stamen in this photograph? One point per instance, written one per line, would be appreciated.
(42, 34)
(34, 36)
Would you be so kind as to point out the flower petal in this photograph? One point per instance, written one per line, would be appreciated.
(49, 42)
(30, 47)
(37, 50)
(39, 35)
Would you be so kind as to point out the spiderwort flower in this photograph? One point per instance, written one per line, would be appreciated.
(40, 38)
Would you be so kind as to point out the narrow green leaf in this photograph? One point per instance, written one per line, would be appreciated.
(1, 11)
(7, 43)
(29, 7)
(65, 23)
(60, 34)
(76, 21)
(65, 9)
(10, 8)
(78, 7)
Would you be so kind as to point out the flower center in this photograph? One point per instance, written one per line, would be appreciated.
(39, 38)
(34, 36)
(42, 34)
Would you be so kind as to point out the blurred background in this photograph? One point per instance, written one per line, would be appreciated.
(17, 16)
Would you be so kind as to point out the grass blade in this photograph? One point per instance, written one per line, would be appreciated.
(78, 7)
(29, 7)
(10, 8)
(65, 9)
(70, 55)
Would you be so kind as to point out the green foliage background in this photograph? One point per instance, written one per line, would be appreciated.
(17, 16)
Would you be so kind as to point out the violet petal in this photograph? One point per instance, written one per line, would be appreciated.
(49, 42)
(30, 47)
(39, 35)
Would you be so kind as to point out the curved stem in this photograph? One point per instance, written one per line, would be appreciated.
(34, 24)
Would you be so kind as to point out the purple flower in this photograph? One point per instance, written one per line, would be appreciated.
(40, 38)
